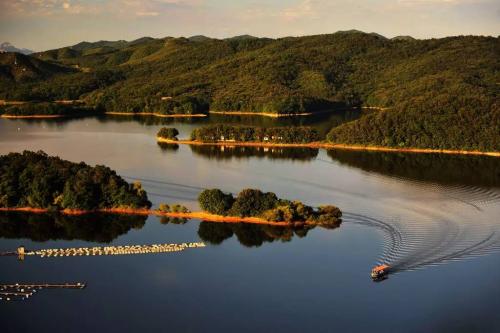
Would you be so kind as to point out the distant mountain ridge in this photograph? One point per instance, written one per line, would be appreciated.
(8, 47)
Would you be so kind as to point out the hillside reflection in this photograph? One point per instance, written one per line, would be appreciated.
(102, 228)
(437, 168)
(250, 235)
(239, 152)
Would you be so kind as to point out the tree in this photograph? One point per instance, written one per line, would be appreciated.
(253, 202)
(215, 201)
(168, 133)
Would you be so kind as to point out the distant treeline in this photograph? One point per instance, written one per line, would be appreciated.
(156, 104)
(215, 133)
(39, 181)
(255, 203)
(47, 109)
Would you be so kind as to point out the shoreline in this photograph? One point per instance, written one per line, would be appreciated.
(263, 114)
(322, 145)
(194, 115)
(39, 116)
(207, 217)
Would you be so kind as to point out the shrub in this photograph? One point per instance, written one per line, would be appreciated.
(179, 209)
(168, 133)
(164, 208)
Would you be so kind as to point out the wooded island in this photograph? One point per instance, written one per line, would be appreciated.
(36, 182)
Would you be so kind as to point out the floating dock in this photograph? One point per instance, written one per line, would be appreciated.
(105, 250)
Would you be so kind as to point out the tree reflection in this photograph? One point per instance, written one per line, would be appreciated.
(168, 146)
(102, 228)
(436, 168)
(250, 235)
(173, 220)
(239, 152)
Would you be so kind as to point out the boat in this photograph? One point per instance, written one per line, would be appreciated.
(380, 272)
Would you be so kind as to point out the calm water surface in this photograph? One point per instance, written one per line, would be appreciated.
(434, 218)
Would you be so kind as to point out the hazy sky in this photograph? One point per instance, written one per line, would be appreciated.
(45, 24)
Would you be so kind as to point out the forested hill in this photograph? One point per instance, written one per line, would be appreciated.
(17, 67)
(439, 93)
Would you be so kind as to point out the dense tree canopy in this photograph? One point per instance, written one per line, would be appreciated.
(214, 133)
(215, 201)
(168, 133)
(255, 203)
(37, 180)
(46, 108)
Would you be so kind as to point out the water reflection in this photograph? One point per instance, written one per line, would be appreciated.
(436, 168)
(102, 228)
(150, 120)
(239, 152)
(168, 146)
(250, 235)
(323, 122)
(173, 220)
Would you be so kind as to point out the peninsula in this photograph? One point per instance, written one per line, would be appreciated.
(291, 137)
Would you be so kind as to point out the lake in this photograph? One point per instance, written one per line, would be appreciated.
(434, 218)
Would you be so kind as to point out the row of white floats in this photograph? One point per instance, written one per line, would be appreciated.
(115, 250)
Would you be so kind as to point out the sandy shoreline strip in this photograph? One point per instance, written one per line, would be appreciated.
(263, 114)
(192, 215)
(194, 115)
(322, 145)
(39, 116)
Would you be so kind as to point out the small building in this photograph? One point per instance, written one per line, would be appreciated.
(20, 252)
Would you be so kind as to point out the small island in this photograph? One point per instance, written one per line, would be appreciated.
(245, 136)
(266, 206)
(38, 183)
(167, 133)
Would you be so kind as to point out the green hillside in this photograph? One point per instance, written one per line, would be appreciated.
(439, 93)
(17, 67)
